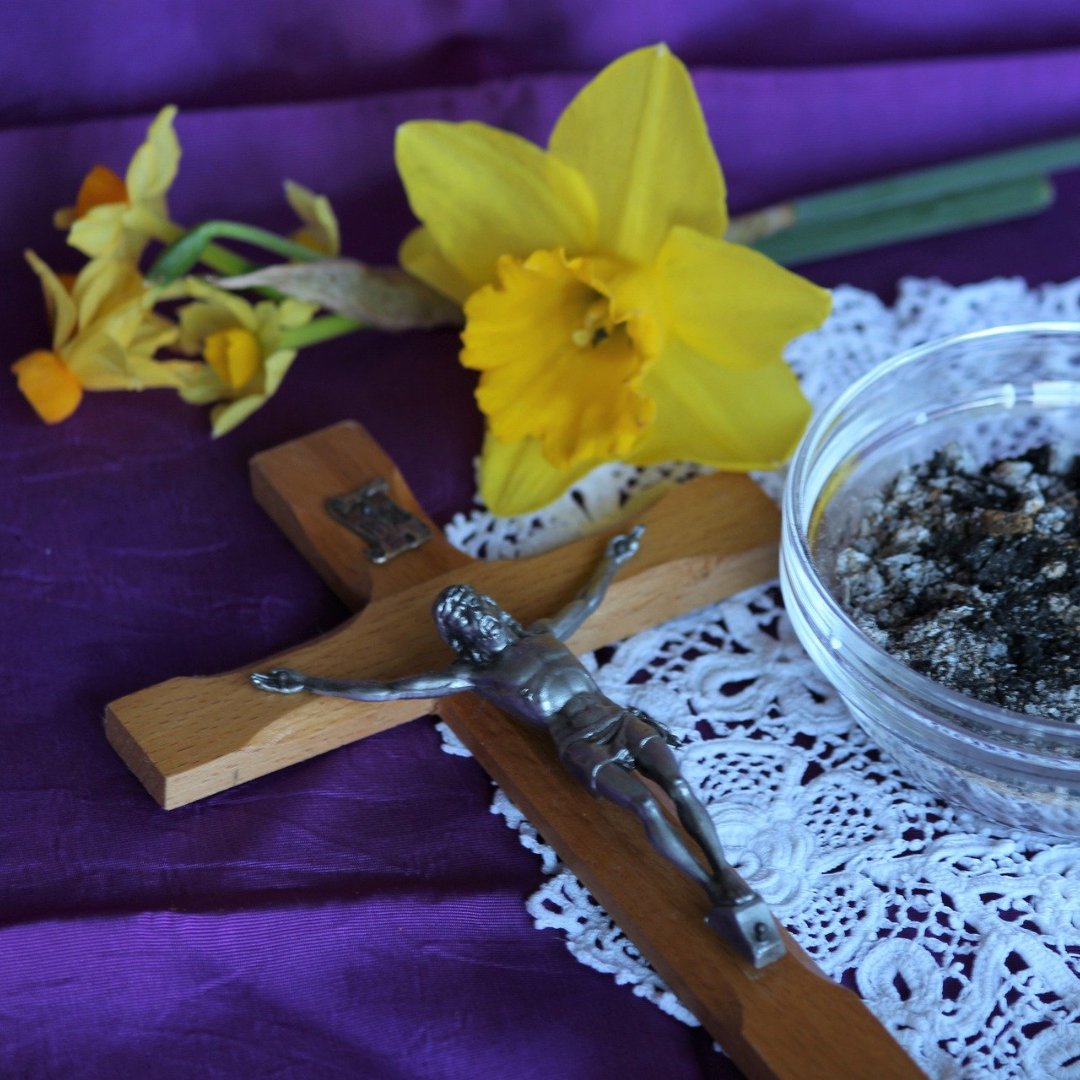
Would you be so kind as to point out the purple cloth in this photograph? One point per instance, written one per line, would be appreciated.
(361, 915)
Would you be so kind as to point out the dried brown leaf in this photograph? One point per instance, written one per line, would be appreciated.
(384, 298)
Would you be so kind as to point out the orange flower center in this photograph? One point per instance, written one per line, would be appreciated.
(100, 187)
(48, 384)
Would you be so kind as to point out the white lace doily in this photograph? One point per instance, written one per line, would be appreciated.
(963, 937)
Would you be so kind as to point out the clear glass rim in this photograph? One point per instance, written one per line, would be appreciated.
(880, 665)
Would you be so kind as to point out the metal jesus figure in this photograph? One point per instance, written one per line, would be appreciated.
(529, 673)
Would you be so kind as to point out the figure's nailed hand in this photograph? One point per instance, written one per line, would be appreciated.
(624, 547)
(279, 681)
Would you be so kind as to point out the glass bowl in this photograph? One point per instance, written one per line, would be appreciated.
(995, 393)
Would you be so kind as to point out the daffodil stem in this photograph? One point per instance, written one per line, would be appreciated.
(213, 255)
(938, 181)
(224, 261)
(263, 238)
(321, 329)
(917, 203)
(912, 188)
(983, 206)
(196, 245)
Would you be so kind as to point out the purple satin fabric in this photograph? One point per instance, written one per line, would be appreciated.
(361, 915)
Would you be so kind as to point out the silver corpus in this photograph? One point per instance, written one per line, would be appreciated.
(610, 749)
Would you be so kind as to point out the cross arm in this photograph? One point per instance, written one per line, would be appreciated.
(189, 738)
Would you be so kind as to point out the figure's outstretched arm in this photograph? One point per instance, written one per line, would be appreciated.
(620, 549)
(432, 684)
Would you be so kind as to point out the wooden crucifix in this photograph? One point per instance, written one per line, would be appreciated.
(191, 737)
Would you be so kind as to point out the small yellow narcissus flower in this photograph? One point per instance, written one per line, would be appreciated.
(117, 217)
(245, 347)
(319, 230)
(606, 313)
(104, 337)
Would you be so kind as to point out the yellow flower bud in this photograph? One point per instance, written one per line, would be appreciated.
(234, 354)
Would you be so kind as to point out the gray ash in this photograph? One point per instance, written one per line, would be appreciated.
(971, 576)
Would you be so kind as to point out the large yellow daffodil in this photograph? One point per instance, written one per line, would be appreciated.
(604, 310)
(117, 217)
(104, 337)
(245, 347)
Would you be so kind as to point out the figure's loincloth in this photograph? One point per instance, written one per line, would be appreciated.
(614, 736)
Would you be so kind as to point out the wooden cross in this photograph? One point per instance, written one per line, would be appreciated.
(191, 737)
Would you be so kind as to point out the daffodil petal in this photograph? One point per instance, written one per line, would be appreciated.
(101, 362)
(419, 255)
(290, 313)
(203, 387)
(154, 164)
(516, 478)
(637, 135)
(705, 412)
(733, 304)
(483, 193)
(236, 307)
(104, 284)
(275, 368)
(202, 318)
(45, 382)
(58, 302)
(152, 334)
(99, 230)
(136, 329)
(223, 418)
(146, 373)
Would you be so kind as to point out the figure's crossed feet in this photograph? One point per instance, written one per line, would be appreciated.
(749, 927)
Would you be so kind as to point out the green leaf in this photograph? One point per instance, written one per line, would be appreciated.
(984, 206)
(937, 181)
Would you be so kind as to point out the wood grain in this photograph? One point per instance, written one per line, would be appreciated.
(784, 1021)
(188, 738)
(292, 483)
